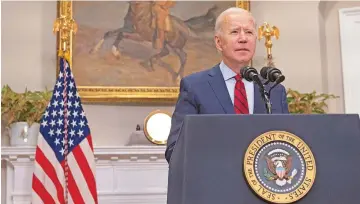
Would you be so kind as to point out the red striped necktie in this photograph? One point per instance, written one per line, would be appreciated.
(240, 99)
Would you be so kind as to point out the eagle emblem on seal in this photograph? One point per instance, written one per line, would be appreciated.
(279, 167)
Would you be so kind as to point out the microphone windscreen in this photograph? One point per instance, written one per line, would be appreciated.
(248, 73)
(263, 72)
(243, 71)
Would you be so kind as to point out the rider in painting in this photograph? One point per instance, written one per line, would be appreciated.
(160, 21)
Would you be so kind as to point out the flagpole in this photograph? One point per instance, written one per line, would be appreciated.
(66, 27)
(66, 131)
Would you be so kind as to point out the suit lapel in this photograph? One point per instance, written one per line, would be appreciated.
(218, 85)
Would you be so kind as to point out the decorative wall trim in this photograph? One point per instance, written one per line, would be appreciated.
(349, 43)
(351, 11)
(126, 174)
(103, 150)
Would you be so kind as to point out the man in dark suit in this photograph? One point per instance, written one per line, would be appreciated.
(220, 89)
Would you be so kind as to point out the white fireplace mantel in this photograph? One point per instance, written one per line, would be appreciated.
(127, 174)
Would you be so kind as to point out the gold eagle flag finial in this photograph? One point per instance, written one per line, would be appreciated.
(66, 26)
(268, 32)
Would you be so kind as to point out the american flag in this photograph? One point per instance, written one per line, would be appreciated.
(64, 170)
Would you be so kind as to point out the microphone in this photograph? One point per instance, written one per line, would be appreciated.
(249, 73)
(263, 72)
(272, 74)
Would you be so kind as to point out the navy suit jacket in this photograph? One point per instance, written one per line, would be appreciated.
(206, 93)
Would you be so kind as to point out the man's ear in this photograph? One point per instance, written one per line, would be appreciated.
(218, 43)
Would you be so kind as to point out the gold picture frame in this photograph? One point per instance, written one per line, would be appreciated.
(65, 27)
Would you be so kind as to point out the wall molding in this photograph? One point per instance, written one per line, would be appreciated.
(125, 174)
(355, 11)
(350, 47)
(103, 150)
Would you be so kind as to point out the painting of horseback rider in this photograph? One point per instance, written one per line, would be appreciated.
(143, 43)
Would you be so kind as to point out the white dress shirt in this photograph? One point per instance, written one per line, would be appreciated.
(229, 77)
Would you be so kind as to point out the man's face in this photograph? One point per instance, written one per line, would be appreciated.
(237, 39)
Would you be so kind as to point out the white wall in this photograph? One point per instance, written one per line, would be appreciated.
(308, 51)
(297, 52)
(28, 45)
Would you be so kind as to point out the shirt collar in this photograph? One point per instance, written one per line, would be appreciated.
(226, 71)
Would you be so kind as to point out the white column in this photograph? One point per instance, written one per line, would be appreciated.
(349, 19)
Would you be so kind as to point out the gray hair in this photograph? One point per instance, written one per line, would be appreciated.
(232, 10)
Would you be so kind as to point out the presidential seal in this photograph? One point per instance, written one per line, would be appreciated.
(279, 167)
